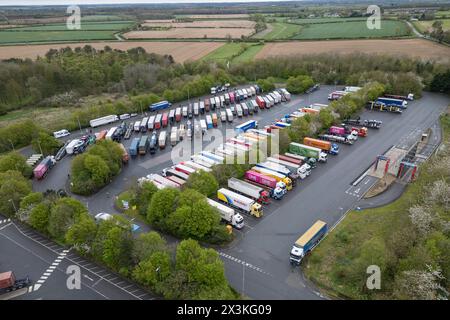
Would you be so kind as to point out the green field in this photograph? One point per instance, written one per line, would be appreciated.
(104, 18)
(49, 36)
(281, 31)
(325, 20)
(440, 14)
(233, 52)
(351, 30)
(426, 25)
(383, 236)
(99, 26)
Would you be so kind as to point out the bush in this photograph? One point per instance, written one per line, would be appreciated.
(13, 188)
(45, 144)
(204, 182)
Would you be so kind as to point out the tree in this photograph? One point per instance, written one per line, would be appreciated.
(326, 118)
(196, 221)
(13, 188)
(421, 218)
(81, 234)
(31, 199)
(117, 248)
(144, 195)
(147, 244)
(202, 266)
(441, 82)
(420, 285)
(162, 205)
(15, 161)
(39, 217)
(98, 170)
(154, 269)
(299, 84)
(204, 182)
(45, 144)
(65, 213)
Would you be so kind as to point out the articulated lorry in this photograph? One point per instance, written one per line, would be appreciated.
(8, 282)
(247, 189)
(276, 189)
(335, 95)
(240, 202)
(280, 169)
(307, 151)
(252, 124)
(228, 214)
(340, 131)
(159, 106)
(276, 175)
(44, 167)
(331, 148)
(300, 170)
(393, 102)
(409, 97)
(312, 162)
(369, 123)
(333, 138)
(307, 242)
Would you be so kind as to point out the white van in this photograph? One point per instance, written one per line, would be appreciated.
(61, 133)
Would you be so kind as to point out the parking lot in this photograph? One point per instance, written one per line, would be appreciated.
(264, 244)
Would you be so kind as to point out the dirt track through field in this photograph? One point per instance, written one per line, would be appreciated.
(180, 51)
(418, 48)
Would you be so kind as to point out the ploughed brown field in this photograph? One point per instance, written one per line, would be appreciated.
(202, 24)
(189, 33)
(417, 48)
(180, 51)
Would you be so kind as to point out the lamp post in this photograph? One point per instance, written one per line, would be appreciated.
(14, 206)
(243, 277)
(79, 124)
(12, 144)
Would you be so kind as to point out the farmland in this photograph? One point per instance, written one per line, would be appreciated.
(353, 29)
(427, 25)
(281, 30)
(180, 51)
(410, 47)
(190, 33)
(215, 16)
(59, 32)
(236, 52)
(201, 24)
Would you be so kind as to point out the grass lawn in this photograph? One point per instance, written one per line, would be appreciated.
(99, 26)
(49, 36)
(375, 236)
(281, 31)
(350, 30)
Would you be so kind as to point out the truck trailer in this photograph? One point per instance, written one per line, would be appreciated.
(8, 282)
(307, 151)
(228, 214)
(307, 242)
(240, 202)
(247, 189)
(331, 148)
(44, 167)
(277, 189)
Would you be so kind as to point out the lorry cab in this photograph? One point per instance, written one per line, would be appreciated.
(256, 210)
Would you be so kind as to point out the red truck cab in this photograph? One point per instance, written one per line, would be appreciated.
(165, 119)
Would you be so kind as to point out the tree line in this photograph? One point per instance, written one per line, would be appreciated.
(63, 77)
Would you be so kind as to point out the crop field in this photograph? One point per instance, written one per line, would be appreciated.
(354, 29)
(190, 33)
(325, 20)
(279, 30)
(418, 48)
(180, 51)
(50, 36)
(235, 52)
(99, 26)
(203, 24)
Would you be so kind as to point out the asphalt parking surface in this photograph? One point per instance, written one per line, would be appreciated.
(258, 263)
